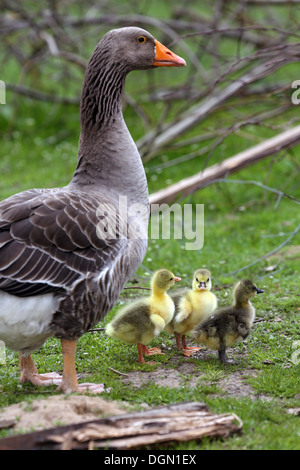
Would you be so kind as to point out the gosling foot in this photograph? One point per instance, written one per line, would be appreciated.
(190, 350)
(143, 350)
(152, 351)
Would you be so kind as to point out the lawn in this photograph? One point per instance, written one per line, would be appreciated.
(243, 222)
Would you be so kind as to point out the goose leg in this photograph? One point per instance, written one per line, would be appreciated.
(69, 382)
(29, 373)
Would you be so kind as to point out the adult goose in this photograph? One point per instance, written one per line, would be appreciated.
(66, 253)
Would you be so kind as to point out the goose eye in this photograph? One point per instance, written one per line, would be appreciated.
(141, 39)
(197, 279)
(207, 280)
(171, 279)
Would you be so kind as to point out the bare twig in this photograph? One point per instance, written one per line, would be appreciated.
(294, 233)
(41, 96)
(118, 372)
(196, 114)
(137, 287)
(92, 330)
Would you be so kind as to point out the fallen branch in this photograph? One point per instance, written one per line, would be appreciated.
(179, 423)
(187, 186)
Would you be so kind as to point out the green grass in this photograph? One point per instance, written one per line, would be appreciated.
(242, 224)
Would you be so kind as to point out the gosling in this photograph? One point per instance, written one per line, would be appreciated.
(140, 321)
(192, 307)
(229, 324)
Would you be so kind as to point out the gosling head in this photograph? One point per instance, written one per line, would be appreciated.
(244, 290)
(202, 280)
(164, 279)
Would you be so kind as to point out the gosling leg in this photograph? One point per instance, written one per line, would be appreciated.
(222, 354)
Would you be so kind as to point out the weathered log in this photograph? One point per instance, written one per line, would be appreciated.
(180, 422)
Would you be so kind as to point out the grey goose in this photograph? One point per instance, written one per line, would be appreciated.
(62, 267)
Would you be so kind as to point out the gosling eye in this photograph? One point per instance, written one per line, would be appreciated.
(207, 280)
(171, 279)
(141, 39)
(197, 279)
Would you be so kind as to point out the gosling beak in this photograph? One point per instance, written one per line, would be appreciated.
(166, 58)
(259, 291)
(177, 279)
(202, 285)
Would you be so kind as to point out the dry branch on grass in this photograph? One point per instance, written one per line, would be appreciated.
(179, 423)
(188, 185)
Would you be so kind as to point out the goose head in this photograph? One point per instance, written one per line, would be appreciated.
(133, 48)
(138, 50)
(202, 280)
(244, 290)
(119, 52)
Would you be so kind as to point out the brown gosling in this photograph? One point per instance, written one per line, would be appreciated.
(229, 324)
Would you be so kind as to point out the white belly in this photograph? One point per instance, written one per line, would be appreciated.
(24, 322)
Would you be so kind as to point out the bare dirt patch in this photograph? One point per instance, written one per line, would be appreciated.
(57, 410)
(232, 383)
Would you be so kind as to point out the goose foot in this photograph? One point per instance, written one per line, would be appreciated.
(68, 382)
(91, 388)
(29, 373)
(42, 380)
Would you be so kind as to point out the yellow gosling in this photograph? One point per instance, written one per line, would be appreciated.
(191, 307)
(140, 321)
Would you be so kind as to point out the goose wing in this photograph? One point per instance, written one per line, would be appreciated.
(49, 239)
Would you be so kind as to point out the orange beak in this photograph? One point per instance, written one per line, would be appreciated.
(176, 279)
(166, 58)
